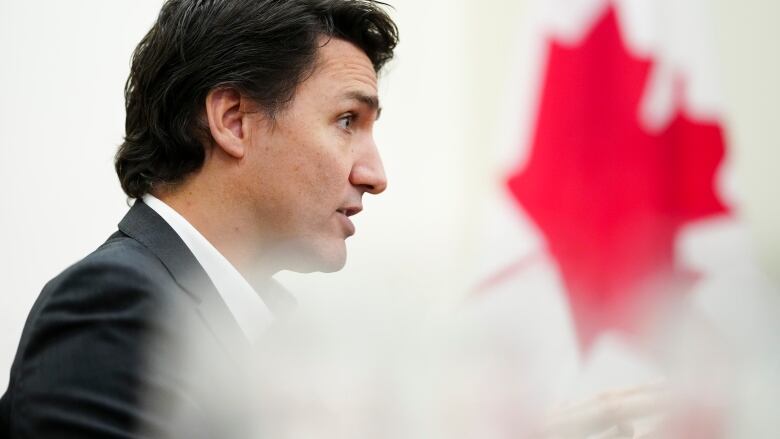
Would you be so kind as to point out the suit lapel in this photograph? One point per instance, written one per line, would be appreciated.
(144, 225)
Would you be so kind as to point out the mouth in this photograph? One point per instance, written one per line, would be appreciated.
(346, 212)
(349, 211)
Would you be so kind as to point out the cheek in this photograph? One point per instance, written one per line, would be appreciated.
(306, 190)
(320, 186)
(322, 172)
(303, 175)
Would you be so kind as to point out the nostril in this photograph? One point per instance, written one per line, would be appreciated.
(379, 187)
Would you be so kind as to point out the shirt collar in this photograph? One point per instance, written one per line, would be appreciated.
(247, 307)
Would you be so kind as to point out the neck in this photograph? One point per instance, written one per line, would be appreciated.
(213, 216)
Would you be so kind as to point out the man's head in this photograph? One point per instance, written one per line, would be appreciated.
(266, 106)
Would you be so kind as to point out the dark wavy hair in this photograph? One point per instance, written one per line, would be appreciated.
(262, 48)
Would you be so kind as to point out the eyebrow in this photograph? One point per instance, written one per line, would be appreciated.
(369, 100)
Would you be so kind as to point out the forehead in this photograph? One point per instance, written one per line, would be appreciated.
(341, 66)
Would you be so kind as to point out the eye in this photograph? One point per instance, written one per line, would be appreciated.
(345, 121)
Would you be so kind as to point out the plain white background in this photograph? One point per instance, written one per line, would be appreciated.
(62, 71)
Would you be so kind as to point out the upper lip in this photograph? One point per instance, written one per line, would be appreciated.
(349, 210)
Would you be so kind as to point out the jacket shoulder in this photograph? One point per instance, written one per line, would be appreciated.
(85, 343)
(117, 277)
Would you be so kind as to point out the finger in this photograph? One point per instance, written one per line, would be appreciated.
(608, 410)
(657, 387)
(617, 431)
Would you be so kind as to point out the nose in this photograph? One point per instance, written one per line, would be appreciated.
(367, 172)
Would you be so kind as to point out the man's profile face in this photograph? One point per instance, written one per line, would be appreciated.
(308, 170)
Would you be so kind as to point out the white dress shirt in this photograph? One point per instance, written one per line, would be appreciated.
(247, 307)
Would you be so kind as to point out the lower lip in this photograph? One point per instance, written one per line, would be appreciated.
(350, 228)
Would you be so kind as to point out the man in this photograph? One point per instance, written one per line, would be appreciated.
(248, 146)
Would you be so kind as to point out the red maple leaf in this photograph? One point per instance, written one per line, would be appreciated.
(608, 195)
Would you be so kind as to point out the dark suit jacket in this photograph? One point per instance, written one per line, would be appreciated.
(132, 341)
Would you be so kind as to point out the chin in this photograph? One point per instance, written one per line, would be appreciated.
(332, 266)
(325, 259)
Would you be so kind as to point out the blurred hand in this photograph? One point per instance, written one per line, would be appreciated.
(609, 415)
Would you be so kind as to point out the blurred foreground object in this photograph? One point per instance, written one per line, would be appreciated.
(610, 414)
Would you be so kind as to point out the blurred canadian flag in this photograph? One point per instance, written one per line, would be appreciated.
(614, 248)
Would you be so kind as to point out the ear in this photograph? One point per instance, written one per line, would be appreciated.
(227, 122)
